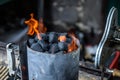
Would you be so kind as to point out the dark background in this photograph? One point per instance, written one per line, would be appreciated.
(87, 17)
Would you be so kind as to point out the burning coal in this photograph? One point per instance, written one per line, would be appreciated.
(35, 26)
(50, 42)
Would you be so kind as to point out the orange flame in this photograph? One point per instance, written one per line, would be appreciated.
(72, 46)
(35, 26)
(42, 29)
(62, 38)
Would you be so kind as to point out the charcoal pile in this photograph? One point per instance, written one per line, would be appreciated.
(52, 43)
(49, 42)
(42, 66)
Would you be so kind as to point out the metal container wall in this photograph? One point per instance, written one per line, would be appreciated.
(59, 66)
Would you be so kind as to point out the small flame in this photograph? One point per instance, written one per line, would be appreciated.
(35, 26)
(72, 46)
(62, 38)
(42, 29)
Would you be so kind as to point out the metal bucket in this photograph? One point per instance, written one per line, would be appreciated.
(59, 66)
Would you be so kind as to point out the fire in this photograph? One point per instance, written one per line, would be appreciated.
(35, 26)
(72, 46)
(42, 29)
(62, 38)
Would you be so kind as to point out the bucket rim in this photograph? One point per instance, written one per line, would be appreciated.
(73, 52)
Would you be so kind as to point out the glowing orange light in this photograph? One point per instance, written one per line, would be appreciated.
(72, 46)
(35, 26)
(62, 38)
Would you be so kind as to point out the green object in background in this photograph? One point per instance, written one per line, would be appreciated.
(115, 3)
(4, 1)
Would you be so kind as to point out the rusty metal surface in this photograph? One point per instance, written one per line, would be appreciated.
(87, 71)
(86, 76)
(93, 71)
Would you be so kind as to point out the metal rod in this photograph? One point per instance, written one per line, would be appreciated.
(115, 72)
(93, 71)
(40, 9)
(117, 39)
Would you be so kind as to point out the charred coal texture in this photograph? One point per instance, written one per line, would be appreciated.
(43, 44)
(50, 42)
(44, 36)
(31, 41)
(53, 37)
(36, 47)
(63, 46)
(54, 48)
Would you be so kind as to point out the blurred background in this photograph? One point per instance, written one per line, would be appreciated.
(87, 17)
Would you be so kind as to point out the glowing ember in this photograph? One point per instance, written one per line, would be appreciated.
(62, 38)
(35, 26)
(72, 46)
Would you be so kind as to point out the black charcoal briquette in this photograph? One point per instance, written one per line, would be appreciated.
(68, 40)
(36, 38)
(30, 42)
(36, 47)
(54, 48)
(43, 44)
(53, 37)
(62, 34)
(62, 46)
(43, 36)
